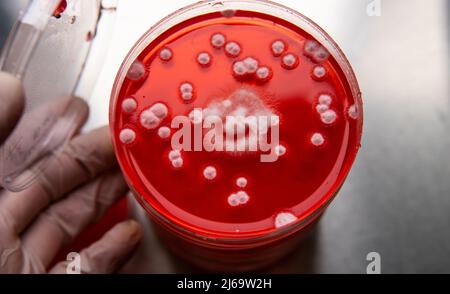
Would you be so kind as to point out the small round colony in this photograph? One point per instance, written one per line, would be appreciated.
(251, 64)
(210, 173)
(241, 182)
(321, 108)
(310, 47)
(325, 99)
(239, 69)
(233, 200)
(353, 112)
(174, 154)
(160, 110)
(127, 136)
(232, 49)
(319, 72)
(218, 40)
(280, 150)
(317, 139)
(129, 105)
(278, 48)
(243, 197)
(328, 117)
(320, 55)
(284, 218)
(165, 54)
(186, 92)
(263, 74)
(136, 71)
(177, 163)
(289, 61)
(204, 59)
(175, 158)
(164, 132)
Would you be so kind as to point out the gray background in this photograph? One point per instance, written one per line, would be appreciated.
(396, 200)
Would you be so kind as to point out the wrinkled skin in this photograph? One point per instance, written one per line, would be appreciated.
(79, 184)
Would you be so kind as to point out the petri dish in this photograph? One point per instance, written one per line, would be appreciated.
(235, 124)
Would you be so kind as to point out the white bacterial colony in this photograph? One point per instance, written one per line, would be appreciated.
(127, 136)
(136, 71)
(151, 117)
(165, 54)
(283, 219)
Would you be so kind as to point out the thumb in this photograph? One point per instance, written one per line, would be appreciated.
(12, 103)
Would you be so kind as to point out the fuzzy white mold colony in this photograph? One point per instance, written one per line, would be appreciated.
(196, 116)
(284, 218)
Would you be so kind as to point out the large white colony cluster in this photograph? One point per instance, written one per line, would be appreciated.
(240, 105)
(235, 113)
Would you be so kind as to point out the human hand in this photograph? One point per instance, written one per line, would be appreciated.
(75, 189)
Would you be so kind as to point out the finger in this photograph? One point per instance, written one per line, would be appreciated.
(64, 220)
(108, 254)
(40, 132)
(83, 159)
(12, 103)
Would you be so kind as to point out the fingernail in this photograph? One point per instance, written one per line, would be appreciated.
(134, 230)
